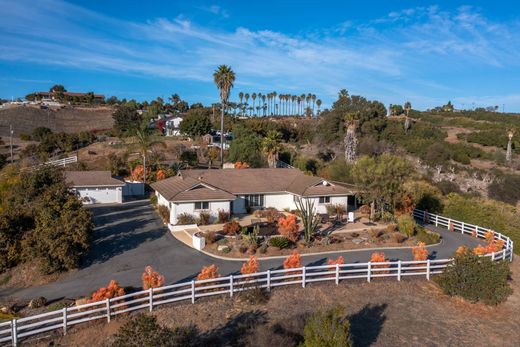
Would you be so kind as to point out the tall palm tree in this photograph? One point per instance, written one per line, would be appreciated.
(246, 96)
(253, 96)
(271, 146)
(303, 104)
(299, 99)
(313, 97)
(263, 103)
(224, 78)
(318, 103)
(241, 96)
(274, 103)
(144, 142)
(293, 99)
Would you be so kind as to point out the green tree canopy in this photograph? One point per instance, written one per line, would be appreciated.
(246, 147)
(196, 122)
(126, 120)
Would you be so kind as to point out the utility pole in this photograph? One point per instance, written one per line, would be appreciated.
(11, 141)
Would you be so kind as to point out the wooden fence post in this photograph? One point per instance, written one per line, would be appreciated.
(462, 226)
(64, 321)
(268, 280)
(150, 293)
(428, 269)
(369, 271)
(436, 220)
(108, 310)
(337, 274)
(230, 286)
(14, 333)
(399, 270)
(192, 291)
(303, 277)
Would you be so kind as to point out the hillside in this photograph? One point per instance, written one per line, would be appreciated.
(69, 120)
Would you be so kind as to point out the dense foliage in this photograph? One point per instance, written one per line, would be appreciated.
(327, 329)
(196, 122)
(41, 219)
(246, 147)
(476, 279)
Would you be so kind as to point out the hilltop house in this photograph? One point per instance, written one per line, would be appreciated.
(239, 190)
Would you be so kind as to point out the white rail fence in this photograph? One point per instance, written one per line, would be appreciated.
(62, 162)
(18, 329)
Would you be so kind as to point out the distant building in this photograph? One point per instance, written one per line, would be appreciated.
(172, 126)
(68, 96)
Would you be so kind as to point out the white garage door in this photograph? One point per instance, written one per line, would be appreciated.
(102, 195)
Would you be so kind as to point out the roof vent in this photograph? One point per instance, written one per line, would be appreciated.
(199, 178)
(325, 183)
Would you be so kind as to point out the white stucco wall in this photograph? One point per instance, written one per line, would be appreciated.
(320, 208)
(100, 195)
(280, 201)
(161, 200)
(189, 207)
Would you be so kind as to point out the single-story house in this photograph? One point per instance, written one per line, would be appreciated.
(96, 187)
(239, 190)
(172, 126)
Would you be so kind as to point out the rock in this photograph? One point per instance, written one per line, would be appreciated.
(223, 248)
(37, 302)
(7, 310)
(357, 241)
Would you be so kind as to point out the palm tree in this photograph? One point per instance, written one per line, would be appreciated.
(224, 78)
(253, 96)
(318, 103)
(313, 97)
(274, 103)
(271, 146)
(303, 103)
(246, 96)
(240, 96)
(293, 99)
(263, 103)
(280, 98)
(144, 142)
(299, 99)
(350, 140)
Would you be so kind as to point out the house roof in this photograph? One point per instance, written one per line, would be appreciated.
(226, 184)
(91, 179)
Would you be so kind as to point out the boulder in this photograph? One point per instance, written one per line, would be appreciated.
(223, 248)
(37, 302)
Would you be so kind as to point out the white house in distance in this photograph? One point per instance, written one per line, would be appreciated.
(96, 187)
(236, 190)
(172, 126)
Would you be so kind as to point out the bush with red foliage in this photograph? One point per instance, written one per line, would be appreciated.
(250, 266)
(208, 272)
(151, 279)
(420, 252)
(231, 228)
(111, 291)
(288, 227)
(379, 257)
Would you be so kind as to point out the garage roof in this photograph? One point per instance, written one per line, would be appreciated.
(92, 179)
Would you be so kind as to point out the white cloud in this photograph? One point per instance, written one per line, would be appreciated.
(387, 58)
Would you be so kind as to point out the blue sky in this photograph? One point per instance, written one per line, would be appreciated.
(425, 52)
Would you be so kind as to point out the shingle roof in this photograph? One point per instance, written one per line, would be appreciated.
(223, 184)
(91, 179)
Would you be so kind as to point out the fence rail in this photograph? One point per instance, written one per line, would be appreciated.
(17, 329)
(62, 162)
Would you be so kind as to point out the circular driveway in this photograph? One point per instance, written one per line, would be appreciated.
(130, 236)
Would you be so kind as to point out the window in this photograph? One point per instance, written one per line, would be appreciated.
(254, 200)
(202, 205)
(324, 199)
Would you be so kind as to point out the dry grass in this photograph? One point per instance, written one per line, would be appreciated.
(382, 313)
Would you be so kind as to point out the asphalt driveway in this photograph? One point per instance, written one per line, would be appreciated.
(130, 236)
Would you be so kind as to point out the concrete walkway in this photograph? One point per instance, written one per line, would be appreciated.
(130, 236)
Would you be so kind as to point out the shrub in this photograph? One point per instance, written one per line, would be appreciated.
(204, 218)
(153, 200)
(476, 278)
(151, 279)
(331, 209)
(185, 218)
(263, 249)
(420, 252)
(379, 257)
(208, 272)
(243, 248)
(375, 233)
(338, 261)
(364, 210)
(143, 330)
(250, 266)
(426, 236)
(223, 216)
(288, 227)
(111, 291)
(406, 225)
(293, 261)
(279, 242)
(391, 228)
(398, 237)
(231, 228)
(328, 328)
(164, 212)
(25, 137)
(254, 296)
(211, 237)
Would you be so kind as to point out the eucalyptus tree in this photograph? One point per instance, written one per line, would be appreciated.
(350, 141)
(224, 77)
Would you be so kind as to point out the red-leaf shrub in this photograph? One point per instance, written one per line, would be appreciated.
(151, 279)
(379, 257)
(231, 228)
(111, 291)
(293, 261)
(208, 272)
(420, 252)
(338, 261)
(288, 227)
(250, 266)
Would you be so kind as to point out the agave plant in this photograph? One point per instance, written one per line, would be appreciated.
(310, 219)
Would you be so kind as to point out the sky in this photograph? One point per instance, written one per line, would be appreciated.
(391, 51)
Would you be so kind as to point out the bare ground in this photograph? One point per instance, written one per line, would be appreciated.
(382, 313)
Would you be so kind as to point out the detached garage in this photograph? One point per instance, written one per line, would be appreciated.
(96, 187)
